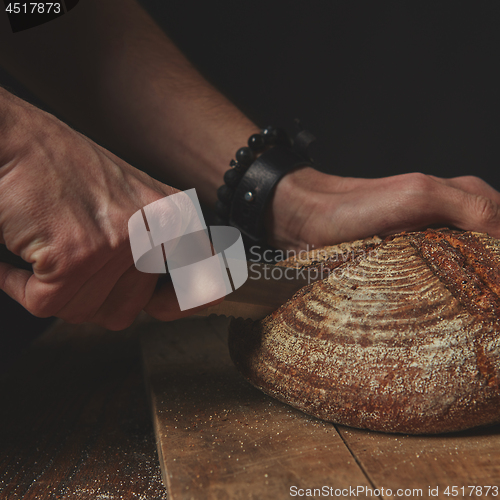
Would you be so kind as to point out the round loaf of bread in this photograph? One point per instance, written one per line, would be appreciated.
(403, 335)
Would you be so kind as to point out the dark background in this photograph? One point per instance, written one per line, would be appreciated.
(387, 87)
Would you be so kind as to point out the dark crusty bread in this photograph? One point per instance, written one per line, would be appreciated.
(403, 336)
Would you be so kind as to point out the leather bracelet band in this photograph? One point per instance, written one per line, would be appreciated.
(249, 184)
(256, 187)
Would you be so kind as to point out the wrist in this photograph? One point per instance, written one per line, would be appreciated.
(249, 184)
(11, 113)
(6, 117)
(290, 223)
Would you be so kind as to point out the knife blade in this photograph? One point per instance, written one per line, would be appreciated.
(267, 288)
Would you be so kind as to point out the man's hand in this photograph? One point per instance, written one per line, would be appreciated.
(312, 208)
(110, 70)
(64, 207)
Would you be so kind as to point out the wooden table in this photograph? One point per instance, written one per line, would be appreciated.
(76, 423)
(75, 420)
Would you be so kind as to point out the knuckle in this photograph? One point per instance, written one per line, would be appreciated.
(469, 183)
(44, 260)
(417, 183)
(470, 180)
(487, 210)
(415, 193)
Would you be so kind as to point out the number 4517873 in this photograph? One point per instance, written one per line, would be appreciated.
(33, 8)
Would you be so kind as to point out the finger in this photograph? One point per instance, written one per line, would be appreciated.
(469, 209)
(472, 185)
(85, 303)
(19, 283)
(127, 299)
(48, 293)
(413, 202)
(13, 282)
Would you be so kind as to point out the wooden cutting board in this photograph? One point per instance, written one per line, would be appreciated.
(220, 438)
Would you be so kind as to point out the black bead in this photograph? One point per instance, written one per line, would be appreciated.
(225, 194)
(222, 210)
(245, 156)
(256, 142)
(238, 167)
(233, 177)
(269, 134)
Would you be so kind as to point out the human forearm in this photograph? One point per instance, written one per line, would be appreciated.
(145, 101)
(110, 70)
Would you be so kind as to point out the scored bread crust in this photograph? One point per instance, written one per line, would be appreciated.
(403, 336)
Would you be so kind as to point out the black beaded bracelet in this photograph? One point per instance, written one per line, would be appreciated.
(250, 182)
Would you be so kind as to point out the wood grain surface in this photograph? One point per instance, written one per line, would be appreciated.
(75, 421)
(221, 438)
(462, 459)
(75, 424)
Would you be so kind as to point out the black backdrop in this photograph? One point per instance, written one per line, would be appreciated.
(386, 86)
